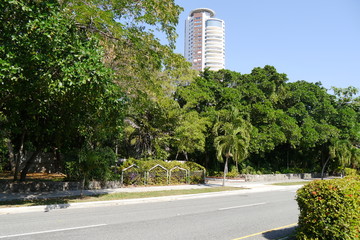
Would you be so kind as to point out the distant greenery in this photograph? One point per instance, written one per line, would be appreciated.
(91, 90)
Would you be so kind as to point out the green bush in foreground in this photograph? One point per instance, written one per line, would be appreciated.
(329, 209)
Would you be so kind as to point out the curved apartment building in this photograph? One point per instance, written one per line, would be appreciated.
(205, 40)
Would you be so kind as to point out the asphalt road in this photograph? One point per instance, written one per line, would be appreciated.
(243, 216)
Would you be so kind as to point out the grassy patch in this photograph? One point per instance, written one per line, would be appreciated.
(290, 183)
(113, 196)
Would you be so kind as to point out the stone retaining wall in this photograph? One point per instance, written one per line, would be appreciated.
(28, 187)
(280, 177)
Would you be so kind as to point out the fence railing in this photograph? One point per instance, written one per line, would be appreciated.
(159, 175)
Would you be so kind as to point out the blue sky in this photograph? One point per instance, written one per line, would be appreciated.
(311, 40)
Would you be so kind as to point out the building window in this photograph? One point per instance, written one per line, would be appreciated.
(213, 23)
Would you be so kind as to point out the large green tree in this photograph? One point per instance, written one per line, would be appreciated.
(56, 91)
(145, 68)
(293, 123)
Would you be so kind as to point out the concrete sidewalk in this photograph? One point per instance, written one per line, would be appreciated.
(250, 187)
(59, 194)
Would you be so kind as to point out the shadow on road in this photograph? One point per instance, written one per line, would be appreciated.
(281, 234)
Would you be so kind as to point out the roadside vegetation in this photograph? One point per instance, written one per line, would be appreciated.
(329, 209)
(86, 91)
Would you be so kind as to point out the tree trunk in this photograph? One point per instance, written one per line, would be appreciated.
(236, 163)
(186, 156)
(11, 155)
(58, 161)
(323, 169)
(28, 164)
(206, 161)
(225, 170)
(287, 160)
(17, 165)
(18, 157)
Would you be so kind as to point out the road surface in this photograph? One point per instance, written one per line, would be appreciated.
(243, 216)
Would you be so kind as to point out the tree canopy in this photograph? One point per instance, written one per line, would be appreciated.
(89, 80)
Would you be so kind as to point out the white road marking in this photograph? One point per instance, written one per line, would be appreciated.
(242, 206)
(50, 231)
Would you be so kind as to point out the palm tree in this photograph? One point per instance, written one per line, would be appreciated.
(232, 142)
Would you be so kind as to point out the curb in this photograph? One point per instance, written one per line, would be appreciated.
(48, 208)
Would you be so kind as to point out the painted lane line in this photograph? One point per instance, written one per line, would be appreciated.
(51, 231)
(259, 233)
(242, 206)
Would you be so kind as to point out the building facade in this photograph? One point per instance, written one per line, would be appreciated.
(205, 40)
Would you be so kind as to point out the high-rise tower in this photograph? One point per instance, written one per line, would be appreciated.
(205, 40)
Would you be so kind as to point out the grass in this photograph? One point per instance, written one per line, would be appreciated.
(290, 183)
(113, 196)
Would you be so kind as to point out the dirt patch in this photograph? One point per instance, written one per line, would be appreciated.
(35, 176)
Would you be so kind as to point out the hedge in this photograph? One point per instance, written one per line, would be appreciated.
(141, 174)
(146, 165)
(329, 209)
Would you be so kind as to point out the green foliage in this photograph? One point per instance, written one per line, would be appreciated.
(145, 164)
(233, 172)
(114, 18)
(249, 170)
(341, 151)
(157, 170)
(56, 91)
(291, 125)
(232, 139)
(190, 133)
(64, 66)
(91, 164)
(351, 172)
(192, 166)
(147, 70)
(329, 209)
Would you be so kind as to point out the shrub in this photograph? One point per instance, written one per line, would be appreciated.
(248, 170)
(91, 164)
(350, 172)
(233, 173)
(329, 209)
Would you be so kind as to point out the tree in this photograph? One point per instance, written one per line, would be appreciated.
(313, 111)
(126, 30)
(147, 70)
(346, 96)
(355, 157)
(56, 91)
(232, 141)
(340, 150)
(189, 135)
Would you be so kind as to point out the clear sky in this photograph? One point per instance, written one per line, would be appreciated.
(311, 40)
